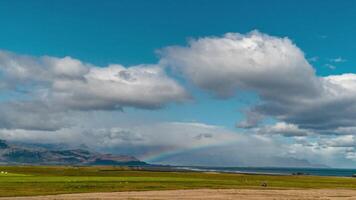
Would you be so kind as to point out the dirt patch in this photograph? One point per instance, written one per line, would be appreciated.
(207, 194)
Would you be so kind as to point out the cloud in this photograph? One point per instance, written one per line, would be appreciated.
(254, 152)
(179, 143)
(115, 86)
(21, 70)
(276, 70)
(256, 61)
(282, 128)
(48, 88)
(32, 116)
(340, 150)
(167, 136)
(330, 66)
(334, 107)
(252, 120)
(50, 100)
(143, 140)
(337, 60)
(340, 141)
(78, 85)
(313, 59)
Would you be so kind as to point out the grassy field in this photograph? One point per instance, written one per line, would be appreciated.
(29, 180)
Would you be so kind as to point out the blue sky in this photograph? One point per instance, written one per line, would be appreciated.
(131, 32)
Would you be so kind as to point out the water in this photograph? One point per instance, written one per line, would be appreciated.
(279, 171)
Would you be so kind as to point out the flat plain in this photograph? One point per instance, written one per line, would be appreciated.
(51, 180)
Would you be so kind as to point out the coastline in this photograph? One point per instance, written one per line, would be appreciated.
(277, 171)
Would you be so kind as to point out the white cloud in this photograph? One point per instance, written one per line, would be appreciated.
(254, 61)
(144, 86)
(313, 59)
(282, 128)
(340, 141)
(337, 60)
(330, 66)
(338, 151)
(351, 155)
(51, 87)
(274, 68)
(78, 85)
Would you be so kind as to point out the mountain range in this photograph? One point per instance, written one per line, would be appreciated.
(38, 155)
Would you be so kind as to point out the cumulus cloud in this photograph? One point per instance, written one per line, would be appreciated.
(276, 69)
(254, 61)
(333, 109)
(115, 86)
(21, 70)
(79, 85)
(282, 128)
(50, 87)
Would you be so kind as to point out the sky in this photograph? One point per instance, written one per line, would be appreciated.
(213, 83)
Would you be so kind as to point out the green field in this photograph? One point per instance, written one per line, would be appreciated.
(28, 180)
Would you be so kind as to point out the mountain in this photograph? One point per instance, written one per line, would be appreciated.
(38, 155)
